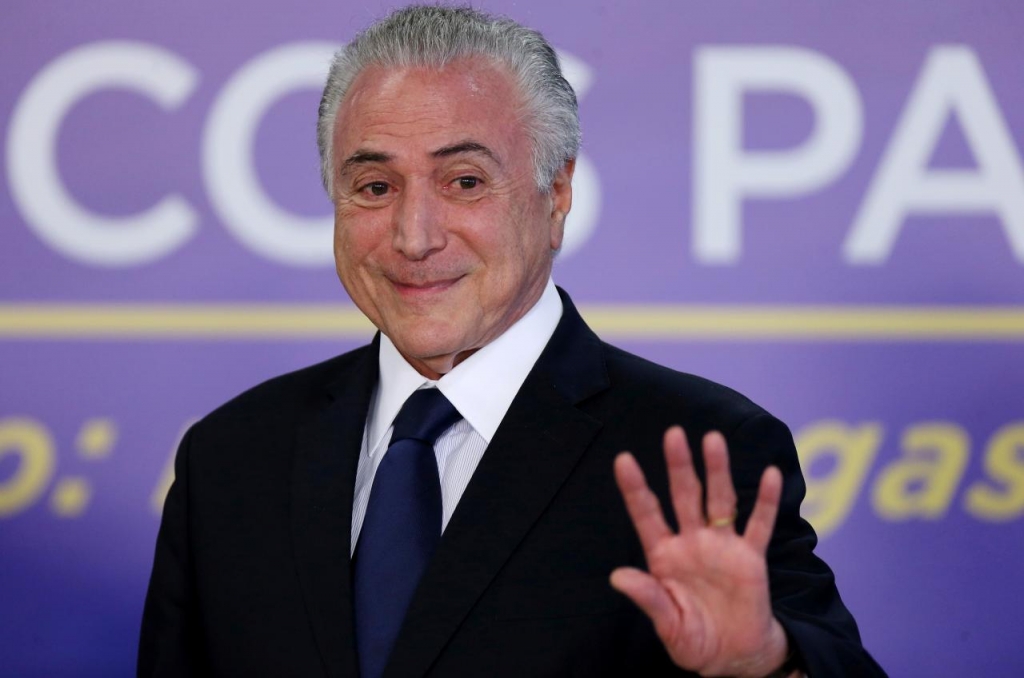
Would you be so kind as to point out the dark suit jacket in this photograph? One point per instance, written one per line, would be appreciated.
(252, 576)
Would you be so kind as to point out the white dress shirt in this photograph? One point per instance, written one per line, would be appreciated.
(481, 388)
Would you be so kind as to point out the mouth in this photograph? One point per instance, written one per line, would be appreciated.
(416, 289)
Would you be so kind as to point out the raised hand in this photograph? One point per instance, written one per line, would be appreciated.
(707, 586)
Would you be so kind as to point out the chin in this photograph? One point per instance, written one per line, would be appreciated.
(427, 339)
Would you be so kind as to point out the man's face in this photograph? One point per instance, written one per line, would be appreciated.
(441, 236)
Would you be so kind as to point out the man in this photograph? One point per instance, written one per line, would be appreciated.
(310, 532)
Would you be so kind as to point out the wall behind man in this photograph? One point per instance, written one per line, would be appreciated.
(819, 205)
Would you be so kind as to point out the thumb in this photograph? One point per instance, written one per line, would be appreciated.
(650, 596)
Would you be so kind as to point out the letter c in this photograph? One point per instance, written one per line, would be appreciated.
(229, 168)
(32, 167)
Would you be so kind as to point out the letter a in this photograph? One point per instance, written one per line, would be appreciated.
(952, 81)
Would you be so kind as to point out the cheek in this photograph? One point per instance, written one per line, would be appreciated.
(356, 239)
(350, 257)
(528, 237)
(503, 237)
(343, 247)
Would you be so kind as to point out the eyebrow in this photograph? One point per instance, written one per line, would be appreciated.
(466, 147)
(362, 158)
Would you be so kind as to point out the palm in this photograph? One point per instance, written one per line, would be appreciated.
(707, 589)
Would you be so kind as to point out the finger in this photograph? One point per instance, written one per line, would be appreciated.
(682, 480)
(721, 496)
(650, 596)
(643, 506)
(762, 520)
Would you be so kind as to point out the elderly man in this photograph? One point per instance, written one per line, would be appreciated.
(442, 502)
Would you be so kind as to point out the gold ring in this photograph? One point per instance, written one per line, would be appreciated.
(722, 522)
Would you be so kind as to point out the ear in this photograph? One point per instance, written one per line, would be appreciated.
(561, 201)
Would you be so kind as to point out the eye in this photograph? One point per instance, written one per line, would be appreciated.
(377, 188)
(467, 183)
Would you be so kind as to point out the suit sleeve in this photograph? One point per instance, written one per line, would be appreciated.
(170, 643)
(803, 591)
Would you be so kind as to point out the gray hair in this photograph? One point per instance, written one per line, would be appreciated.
(434, 36)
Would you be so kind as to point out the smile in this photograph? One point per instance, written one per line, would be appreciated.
(419, 289)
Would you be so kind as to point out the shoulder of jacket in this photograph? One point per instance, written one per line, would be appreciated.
(633, 372)
(287, 393)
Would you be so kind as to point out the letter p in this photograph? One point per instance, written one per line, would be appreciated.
(725, 174)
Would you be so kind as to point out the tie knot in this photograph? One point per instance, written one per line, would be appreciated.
(424, 416)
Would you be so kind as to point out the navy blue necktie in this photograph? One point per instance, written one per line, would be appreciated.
(401, 527)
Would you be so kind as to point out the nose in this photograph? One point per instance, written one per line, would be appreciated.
(418, 228)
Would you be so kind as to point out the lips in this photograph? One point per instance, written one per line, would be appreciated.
(421, 288)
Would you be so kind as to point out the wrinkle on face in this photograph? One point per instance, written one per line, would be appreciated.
(440, 268)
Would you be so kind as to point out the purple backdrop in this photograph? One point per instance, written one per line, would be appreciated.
(840, 188)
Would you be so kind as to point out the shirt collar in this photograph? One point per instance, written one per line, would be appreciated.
(482, 386)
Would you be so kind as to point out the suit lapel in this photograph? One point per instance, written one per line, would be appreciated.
(534, 450)
(323, 476)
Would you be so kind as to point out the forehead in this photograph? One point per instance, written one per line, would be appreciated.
(430, 107)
